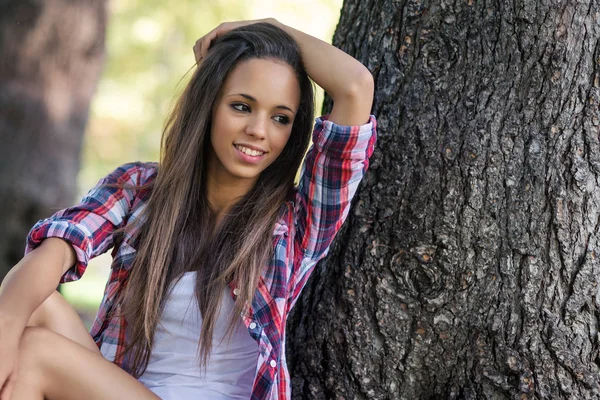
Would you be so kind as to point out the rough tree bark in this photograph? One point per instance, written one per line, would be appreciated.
(469, 266)
(51, 56)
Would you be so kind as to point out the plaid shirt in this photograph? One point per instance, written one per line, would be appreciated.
(333, 168)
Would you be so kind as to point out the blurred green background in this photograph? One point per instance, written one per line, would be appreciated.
(149, 54)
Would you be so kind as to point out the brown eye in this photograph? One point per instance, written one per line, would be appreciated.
(240, 107)
(282, 119)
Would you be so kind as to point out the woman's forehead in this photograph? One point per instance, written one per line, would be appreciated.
(267, 81)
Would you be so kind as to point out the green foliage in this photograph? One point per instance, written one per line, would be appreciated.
(149, 50)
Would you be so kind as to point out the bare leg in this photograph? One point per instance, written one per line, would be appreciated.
(57, 315)
(56, 368)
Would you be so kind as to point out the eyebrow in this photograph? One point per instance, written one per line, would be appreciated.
(247, 96)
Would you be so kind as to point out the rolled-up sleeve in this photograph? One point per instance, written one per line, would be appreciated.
(331, 173)
(90, 225)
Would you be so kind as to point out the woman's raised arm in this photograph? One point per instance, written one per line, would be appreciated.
(346, 80)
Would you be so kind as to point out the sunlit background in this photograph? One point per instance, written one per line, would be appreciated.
(149, 54)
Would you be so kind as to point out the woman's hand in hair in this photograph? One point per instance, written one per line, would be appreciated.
(203, 44)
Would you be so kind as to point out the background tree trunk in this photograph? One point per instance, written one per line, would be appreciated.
(470, 262)
(52, 54)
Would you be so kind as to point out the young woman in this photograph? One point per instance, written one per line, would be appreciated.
(211, 247)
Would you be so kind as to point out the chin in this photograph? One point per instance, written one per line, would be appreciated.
(246, 174)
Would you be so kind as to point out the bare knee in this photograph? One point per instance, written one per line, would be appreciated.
(57, 315)
(33, 346)
(45, 313)
(33, 357)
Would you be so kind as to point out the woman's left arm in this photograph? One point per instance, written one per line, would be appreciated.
(346, 80)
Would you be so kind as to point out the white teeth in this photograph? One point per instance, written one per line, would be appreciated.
(248, 151)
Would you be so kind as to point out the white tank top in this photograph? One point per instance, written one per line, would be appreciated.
(174, 371)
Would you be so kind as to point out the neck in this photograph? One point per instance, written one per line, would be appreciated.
(223, 194)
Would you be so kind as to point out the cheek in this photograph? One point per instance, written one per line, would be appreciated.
(219, 133)
(282, 141)
(280, 145)
(213, 144)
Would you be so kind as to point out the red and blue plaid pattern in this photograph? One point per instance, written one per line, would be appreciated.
(332, 170)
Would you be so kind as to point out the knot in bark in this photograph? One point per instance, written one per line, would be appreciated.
(417, 272)
(439, 56)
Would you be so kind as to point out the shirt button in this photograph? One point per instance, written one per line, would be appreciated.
(273, 363)
(236, 291)
(252, 325)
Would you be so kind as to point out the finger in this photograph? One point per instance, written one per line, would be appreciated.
(4, 395)
(208, 39)
(203, 44)
(9, 387)
(3, 385)
(199, 53)
(206, 42)
(196, 50)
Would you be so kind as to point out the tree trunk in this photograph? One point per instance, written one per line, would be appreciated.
(471, 259)
(52, 54)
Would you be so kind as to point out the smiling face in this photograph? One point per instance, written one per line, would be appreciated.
(252, 120)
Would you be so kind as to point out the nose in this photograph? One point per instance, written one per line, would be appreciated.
(257, 127)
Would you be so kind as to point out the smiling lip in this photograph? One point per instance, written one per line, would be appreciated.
(250, 147)
(249, 159)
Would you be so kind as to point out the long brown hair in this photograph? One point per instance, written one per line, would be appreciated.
(178, 224)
